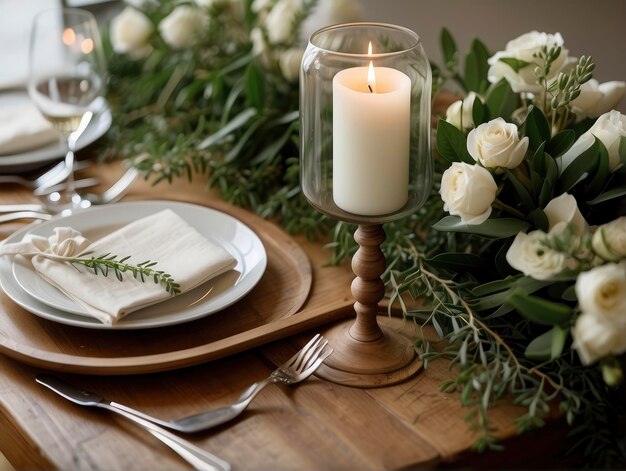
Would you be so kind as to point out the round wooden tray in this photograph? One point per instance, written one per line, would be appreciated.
(252, 321)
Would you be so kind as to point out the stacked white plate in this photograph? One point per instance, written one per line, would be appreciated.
(55, 151)
(25, 287)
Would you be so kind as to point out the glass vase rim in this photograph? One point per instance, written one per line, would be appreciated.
(403, 29)
(86, 14)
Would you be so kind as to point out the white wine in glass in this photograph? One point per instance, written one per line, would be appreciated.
(66, 80)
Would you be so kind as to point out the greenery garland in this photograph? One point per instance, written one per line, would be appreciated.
(224, 105)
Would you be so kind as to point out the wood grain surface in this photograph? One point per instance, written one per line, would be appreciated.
(316, 425)
(282, 291)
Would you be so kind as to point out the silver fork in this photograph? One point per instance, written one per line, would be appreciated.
(111, 195)
(296, 369)
(45, 178)
(199, 458)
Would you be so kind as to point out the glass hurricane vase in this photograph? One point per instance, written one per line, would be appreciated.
(365, 96)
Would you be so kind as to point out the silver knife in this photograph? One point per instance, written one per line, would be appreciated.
(197, 457)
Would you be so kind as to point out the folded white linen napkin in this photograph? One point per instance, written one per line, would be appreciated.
(22, 127)
(163, 237)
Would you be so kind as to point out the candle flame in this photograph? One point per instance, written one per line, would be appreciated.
(371, 76)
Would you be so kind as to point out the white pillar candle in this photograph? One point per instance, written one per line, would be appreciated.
(371, 140)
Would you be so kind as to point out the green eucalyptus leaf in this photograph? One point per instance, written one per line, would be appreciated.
(497, 228)
(522, 192)
(500, 261)
(537, 309)
(539, 219)
(479, 112)
(540, 348)
(231, 100)
(502, 101)
(458, 261)
(569, 294)
(559, 337)
(551, 173)
(255, 86)
(581, 165)
(237, 122)
(537, 169)
(236, 150)
(622, 150)
(471, 76)
(273, 149)
(599, 178)
(547, 346)
(608, 195)
(583, 126)
(449, 49)
(482, 55)
(536, 127)
(515, 64)
(495, 286)
(538, 159)
(524, 284)
(452, 143)
(559, 143)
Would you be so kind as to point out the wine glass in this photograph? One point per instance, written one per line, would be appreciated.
(66, 81)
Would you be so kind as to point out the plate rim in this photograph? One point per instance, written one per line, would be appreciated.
(47, 153)
(77, 320)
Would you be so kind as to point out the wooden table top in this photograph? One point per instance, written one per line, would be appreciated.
(315, 425)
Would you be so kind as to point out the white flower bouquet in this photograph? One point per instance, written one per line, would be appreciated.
(534, 144)
(533, 163)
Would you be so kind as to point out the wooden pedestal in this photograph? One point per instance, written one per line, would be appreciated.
(366, 354)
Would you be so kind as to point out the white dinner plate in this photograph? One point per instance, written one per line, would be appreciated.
(100, 124)
(22, 284)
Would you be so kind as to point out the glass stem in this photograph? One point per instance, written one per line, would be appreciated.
(70, 189)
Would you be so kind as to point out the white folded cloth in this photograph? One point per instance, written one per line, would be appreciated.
(22, 127)
(163, 237)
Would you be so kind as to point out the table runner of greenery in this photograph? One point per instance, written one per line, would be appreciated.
(519, 251)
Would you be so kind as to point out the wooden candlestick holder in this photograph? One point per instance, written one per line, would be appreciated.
(368, 353)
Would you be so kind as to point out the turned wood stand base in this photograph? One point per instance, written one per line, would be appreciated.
(366, 354)
(388, 360)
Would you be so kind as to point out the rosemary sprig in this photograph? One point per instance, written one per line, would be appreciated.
(141, 271)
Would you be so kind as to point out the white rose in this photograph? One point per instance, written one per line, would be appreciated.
(601, 291)
(523, 48)
(280, 20)
(289, 63)
(564, 208)
(130, 31)
(468, 191)
(596, 99)
(595, 338)
(181, 27)
(609, 240)
(609, 128)
(459, 113)
(532, 257)
(496, 144)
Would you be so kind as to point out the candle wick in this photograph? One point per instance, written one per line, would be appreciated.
(370, 87)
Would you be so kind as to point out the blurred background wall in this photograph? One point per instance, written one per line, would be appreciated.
(590, 27)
